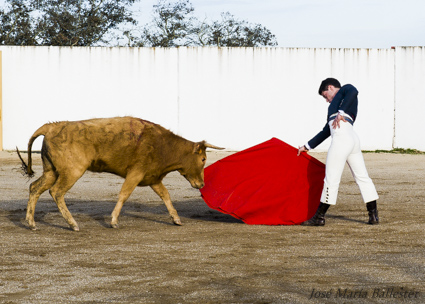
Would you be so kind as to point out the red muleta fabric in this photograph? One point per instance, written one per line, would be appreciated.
(267, 184)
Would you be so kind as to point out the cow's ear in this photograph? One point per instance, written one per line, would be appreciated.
(199, 147)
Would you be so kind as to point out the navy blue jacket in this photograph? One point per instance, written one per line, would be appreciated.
(345, 99)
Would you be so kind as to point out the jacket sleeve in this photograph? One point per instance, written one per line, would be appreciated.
(320, 137)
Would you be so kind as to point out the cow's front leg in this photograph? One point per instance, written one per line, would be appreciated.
(165, 196)
(130, 183)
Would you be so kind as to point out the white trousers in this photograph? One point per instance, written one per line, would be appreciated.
(345, 147)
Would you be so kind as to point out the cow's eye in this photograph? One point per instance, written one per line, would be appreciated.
(204, 159)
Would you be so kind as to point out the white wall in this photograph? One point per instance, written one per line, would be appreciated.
(231, 97)
(410, 98)
(42, 84)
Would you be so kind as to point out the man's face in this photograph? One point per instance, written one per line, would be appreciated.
(330, 93)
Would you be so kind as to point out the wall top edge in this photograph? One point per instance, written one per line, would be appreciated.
(208, 47)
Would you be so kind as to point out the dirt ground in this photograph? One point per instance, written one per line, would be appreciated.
(212, 258)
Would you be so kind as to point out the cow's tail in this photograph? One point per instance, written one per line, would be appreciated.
(27, 169)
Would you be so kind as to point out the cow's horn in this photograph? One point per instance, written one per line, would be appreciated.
(207, 145)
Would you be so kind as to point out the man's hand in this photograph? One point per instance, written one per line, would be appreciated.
(301, 149)
(337, 119)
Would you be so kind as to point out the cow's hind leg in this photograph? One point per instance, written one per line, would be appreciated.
(165, 196)
(131, 181)
(64, 182)
(36, 189)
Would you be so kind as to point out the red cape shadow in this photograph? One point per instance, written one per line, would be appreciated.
(267, 184)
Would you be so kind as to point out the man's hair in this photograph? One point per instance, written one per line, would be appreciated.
(327, 82)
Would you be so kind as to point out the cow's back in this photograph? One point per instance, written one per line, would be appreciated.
(101, 144)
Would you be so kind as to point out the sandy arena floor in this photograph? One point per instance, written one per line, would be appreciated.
(213, 258)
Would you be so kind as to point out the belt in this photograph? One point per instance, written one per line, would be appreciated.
(346, 117)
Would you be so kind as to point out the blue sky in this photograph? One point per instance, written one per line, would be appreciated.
(322, 23)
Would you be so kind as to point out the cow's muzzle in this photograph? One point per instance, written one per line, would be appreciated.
(197, 184)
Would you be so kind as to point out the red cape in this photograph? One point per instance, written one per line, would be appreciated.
(266, 184)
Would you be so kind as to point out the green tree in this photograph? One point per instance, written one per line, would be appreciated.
(174, 24)
(16, 24)
(171, 25)
(98, 22)
(64, 22)
(232, 32)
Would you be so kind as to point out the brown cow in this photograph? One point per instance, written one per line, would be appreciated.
(140, 151)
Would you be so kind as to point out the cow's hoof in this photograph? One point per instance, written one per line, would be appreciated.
(115, 226)
(31, 224)
(75, 228)
(177, 222)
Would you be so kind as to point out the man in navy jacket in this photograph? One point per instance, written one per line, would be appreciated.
(344, 148)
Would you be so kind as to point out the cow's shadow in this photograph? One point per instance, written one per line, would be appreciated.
(187, 210)
(17, 216)
(193, 209)
(100, 211)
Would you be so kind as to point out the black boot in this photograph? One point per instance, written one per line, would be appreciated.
(373, 213)
(319, 218)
